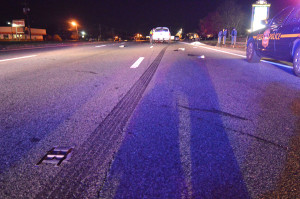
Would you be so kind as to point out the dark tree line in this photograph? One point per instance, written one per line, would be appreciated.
(228, 15)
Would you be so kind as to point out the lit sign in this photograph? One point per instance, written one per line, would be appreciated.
(18, 23)
(259, 12)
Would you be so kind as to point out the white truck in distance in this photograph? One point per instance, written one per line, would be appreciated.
(160, 34)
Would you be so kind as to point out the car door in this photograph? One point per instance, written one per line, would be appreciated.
(288, 32)
(267, 44)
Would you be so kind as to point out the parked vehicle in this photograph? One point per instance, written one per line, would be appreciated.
(160, 34)
(280, 39)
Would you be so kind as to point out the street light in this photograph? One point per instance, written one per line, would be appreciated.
(260, 11)
(12, 34)
(75, 24)
(83, 34)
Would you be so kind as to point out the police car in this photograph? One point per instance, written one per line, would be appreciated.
(279, 40)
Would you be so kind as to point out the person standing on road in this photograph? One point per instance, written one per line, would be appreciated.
(224, 36)
(233, 37)
(220, 34)
(151, 36)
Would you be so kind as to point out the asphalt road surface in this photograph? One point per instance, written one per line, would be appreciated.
(147, 121)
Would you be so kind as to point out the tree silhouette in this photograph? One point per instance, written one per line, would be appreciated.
(228, 15)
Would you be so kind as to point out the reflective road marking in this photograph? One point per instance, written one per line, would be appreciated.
(223, 51)
(138, 62)
(100, 46)
(3, 60)
(282, 65)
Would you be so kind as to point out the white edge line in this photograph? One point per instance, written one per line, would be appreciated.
(202, 46)
(282, 65)
(6, 50)
(138, 62)
(3, 60)
(100, 46)
(224, 52)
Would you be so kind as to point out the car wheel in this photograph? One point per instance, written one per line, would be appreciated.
(251, 54)
(296, 62)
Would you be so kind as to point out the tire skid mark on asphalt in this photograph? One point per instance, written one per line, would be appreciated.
(233, 130)
(214, 111)
(73, 179)
(84, 71)
(258, 138)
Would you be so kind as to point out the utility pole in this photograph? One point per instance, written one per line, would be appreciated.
(99, 36)
(26, 11)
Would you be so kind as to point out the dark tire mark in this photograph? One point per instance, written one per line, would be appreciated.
(233, 130)
(257, 138)
(82, 178)
(214, 111)
(82, 71)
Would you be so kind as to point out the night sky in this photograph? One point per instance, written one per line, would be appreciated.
(129, 16)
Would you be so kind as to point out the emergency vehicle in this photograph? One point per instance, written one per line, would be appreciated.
(280, 39)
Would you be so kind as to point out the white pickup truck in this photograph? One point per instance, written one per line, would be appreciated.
(160, 34)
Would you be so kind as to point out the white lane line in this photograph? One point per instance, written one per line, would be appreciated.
(282, 65)
(138, 62)
(202, 46)
(151, 46)
(29, 48)
(223, 51)
(100, 46)
(3, 60)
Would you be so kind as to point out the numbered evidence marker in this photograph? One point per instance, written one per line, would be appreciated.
(56, 156)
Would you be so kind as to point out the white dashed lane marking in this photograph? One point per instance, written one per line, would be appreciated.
(138, 62)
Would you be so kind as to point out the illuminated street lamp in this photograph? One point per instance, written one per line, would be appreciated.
(75, 24)
(83, 34)
(12, 34)
(260, 12)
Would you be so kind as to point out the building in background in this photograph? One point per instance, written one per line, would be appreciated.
(18, 32)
